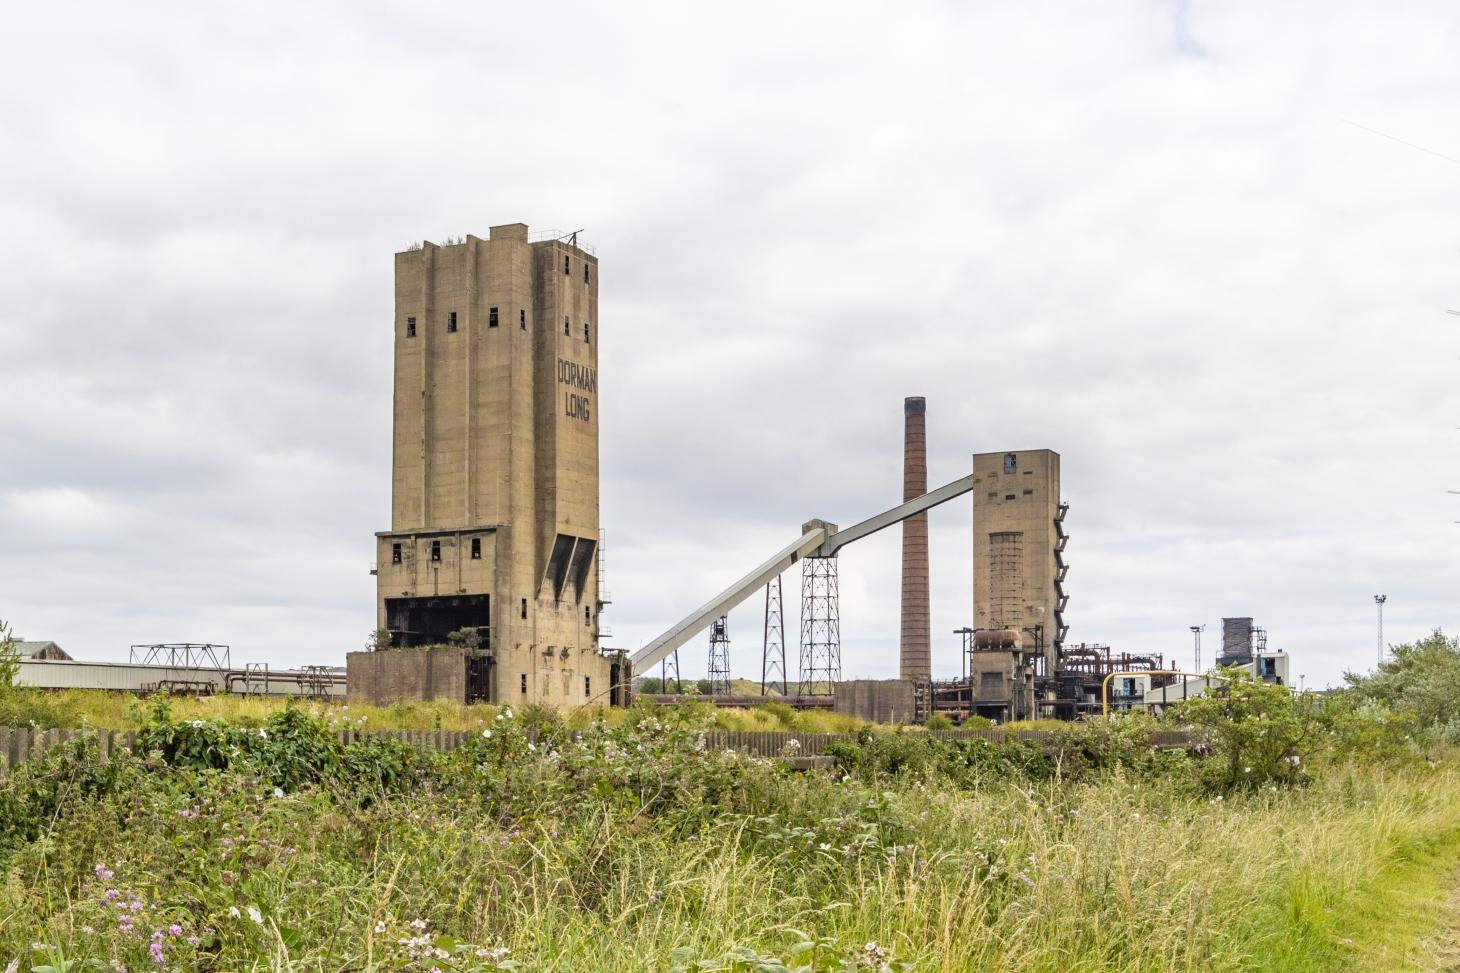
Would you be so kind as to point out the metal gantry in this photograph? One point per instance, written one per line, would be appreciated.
(255, 678)
(719, 657)
(181, 655)
(314, 681)
(773, 652)
(821, 646)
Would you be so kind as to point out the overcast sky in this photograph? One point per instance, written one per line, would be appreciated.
(1164, 239)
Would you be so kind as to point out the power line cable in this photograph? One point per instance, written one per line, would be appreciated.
(1395, 138)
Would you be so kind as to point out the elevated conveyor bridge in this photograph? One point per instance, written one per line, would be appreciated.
(819, 539)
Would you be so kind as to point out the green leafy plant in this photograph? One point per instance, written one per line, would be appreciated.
(9, 657)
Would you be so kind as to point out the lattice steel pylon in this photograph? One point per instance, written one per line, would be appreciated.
(719, 658)
(821, 644)
(671, 661)
(773, 653)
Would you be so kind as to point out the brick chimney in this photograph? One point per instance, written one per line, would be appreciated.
(915, 661)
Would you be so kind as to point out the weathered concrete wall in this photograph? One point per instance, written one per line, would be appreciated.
(495, 472)
(876, 700)
(1016, 561)
(406, 675)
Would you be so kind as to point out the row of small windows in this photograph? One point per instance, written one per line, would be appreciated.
(493, 320)
(568, 269)
(476, 552)
(994, 494)
(587, 685)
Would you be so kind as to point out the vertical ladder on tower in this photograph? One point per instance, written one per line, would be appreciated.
(1061, 569)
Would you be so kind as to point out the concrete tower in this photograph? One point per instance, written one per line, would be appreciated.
(915, 661)
(494, 495)
(1018, 548)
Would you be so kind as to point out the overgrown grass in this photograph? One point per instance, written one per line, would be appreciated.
(74, 708)
(631, 848)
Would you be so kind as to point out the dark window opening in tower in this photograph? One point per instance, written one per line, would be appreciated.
(522, 318)
(451, 321)
(524, 682)
(587, 615)
(1011, 462)
(410, 327)
(492, 318)
(585, 272)
(524, 608)
(567, 265)
(435, 550)
(395, 554)
(587, 334)
(567, 325)
(1008, 496)
(587, 685)
(476, 548)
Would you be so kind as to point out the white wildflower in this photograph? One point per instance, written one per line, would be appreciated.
(256, 916)
(486, 734)
(278, 792)
(233, 911)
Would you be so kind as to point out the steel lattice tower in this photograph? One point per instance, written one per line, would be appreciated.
(719, 658)
(773, 656)
(671, 661)
(821, 646)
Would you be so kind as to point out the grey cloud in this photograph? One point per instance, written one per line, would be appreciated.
(1142, 235)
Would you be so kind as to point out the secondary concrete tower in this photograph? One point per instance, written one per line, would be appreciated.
(494, 494)
(1018, 549)
(915, 661)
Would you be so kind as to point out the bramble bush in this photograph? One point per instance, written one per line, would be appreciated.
(579, 843)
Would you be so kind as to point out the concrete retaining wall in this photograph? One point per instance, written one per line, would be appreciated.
(406, 675)
(876, 700)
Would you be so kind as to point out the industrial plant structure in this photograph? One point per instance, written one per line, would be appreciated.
(488, 584)
(494, 532)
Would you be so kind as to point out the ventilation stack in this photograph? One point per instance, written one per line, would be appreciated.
(915, 661)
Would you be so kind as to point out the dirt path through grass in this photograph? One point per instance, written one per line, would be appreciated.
(1441, 952)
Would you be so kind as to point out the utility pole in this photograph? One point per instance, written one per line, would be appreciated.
(1196, 631)
(967, 653)
(1379, 600)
